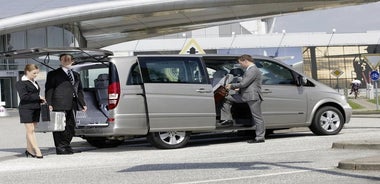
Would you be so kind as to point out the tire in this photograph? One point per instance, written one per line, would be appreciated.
(102, 142)
(169, 140)
(327, 121)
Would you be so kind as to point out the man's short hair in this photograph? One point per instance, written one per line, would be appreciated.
(60, 56)
(246, 57)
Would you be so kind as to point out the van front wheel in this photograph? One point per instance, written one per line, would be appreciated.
(327, 121)
(169, 140)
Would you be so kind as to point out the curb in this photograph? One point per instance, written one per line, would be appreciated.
(365, 163)
(366, 144)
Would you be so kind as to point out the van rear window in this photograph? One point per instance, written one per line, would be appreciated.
(89, 75)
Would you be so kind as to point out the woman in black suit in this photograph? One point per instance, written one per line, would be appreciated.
(29, 108)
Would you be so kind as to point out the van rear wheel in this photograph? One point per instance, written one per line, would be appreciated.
(327, 121)
(102, 142)
(169, 140)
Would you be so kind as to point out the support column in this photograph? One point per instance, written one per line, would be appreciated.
(313, 62)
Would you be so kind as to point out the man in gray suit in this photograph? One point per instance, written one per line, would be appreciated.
(249, 92)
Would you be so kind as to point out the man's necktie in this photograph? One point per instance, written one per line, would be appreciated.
(70, 76)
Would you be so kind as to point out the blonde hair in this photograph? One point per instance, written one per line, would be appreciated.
(30, 67)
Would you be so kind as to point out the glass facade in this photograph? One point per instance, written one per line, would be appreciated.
(12, 69)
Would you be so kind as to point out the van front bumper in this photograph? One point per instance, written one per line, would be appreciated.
(348, 113)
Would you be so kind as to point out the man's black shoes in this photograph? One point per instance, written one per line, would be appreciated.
(72, 150)
(225, 123)
(63, 151)
(255, 141)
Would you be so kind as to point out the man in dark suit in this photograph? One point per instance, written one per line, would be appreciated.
(249, 92)
(64, 92)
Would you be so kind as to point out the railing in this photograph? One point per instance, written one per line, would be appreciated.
(9, 67)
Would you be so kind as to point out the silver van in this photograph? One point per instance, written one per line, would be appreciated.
(168, 97)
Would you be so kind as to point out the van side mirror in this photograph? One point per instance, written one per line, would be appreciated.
(301, 80)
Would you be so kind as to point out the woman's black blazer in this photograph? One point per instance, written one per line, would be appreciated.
(29, 95)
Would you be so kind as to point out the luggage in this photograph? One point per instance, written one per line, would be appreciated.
(220, 93)
(56, 123)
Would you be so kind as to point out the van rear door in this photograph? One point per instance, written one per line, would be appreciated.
(95, 82)
(178, 93)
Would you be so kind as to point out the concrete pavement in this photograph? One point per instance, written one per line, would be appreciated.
(366, 163)
(369, 110)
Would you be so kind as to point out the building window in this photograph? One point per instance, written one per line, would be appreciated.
(36, 38)
(55, 36)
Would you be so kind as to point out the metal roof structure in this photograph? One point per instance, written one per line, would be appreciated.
(104, 23)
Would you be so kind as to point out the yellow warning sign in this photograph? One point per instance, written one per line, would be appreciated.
(192, 47)
(337, 72)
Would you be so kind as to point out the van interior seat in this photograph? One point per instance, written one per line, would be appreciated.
(218, 75)
(237, 73)
(101, 92)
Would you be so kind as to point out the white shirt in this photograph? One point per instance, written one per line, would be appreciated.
(68, 70)
(249, 66)
(24, 78)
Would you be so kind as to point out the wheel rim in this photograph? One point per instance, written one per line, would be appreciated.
(172, 137)
(330, 121)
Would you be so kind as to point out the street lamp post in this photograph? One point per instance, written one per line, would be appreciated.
(232, 41)
(279, 44)
(328, 55)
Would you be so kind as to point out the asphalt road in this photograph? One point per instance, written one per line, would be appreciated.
(295, 156)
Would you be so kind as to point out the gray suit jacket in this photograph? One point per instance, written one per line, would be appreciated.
(250, 85)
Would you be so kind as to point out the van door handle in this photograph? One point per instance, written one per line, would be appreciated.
(203, 90)
(266, 91)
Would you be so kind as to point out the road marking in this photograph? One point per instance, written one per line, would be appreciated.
(250, 177)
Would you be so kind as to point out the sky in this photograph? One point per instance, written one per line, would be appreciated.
(350, 19)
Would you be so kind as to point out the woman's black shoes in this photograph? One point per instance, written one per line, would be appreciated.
(27, 154)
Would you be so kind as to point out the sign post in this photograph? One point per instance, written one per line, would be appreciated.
(375, 77)
(337, 73)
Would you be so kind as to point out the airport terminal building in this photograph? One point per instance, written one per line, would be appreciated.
(331, 57)
(11, 70)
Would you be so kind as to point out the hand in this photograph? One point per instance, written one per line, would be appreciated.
(50, 108)
(228, 86)
(84, 109)
(42, 99)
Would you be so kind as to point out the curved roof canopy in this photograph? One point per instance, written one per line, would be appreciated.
(110, 22)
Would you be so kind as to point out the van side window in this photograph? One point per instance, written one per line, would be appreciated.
(274, 74)
(134, 77)
(218, 69)
(172, 70)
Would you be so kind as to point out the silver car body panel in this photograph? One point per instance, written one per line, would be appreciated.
(153, 107)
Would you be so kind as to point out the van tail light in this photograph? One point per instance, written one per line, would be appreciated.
(113, 95)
